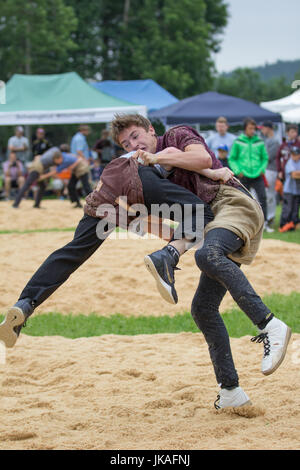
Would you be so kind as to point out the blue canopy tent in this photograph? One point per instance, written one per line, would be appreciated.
(143, 92)
(207, 107)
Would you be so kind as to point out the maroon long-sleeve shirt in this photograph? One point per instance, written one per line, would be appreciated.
(121, 178)
(284, 153)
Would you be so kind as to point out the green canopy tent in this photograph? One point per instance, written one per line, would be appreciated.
(59, 99)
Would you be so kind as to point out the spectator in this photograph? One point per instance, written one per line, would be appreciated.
(248, 160)
(19, 144)
(223, 155)
(105, 148)
(221, 137)
(40, 143)
(291, 192)
(79, 144)
(272, 145)
(118, 151)
(61, 179)
(96, 172)
(284, 151)
(13, 174)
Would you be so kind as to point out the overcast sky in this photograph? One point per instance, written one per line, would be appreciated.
(260, 31)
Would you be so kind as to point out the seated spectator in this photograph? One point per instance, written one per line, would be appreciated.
(19, 143)
(96, 171)
(291, 192)
(13, 174)
(223, 155)
(40, 143)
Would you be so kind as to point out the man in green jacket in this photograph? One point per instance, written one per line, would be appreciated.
(248, 160)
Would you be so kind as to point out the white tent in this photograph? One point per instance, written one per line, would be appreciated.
(292, 116)
(283, 104)
(288, 107)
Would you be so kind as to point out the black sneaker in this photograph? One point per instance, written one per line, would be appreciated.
(161, 265)
(14, 320)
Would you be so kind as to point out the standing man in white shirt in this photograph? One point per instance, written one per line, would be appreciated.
(19, 144)
(222, 137)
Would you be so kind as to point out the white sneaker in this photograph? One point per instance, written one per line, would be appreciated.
(13, 319)
(231, 398)
(267, 228)
(275, 336)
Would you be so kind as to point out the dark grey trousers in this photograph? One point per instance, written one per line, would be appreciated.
(73, 194)
(31, 178)
(290, 209)
(259, 187)
(220, 274)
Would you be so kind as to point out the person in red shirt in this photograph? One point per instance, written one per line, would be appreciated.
(284, 151)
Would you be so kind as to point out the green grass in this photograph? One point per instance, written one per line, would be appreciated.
(42, 230)
(39, 230)
(291, 237)
(285, 307)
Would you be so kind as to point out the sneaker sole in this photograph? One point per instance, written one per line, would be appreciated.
(163, 288)
(14, 317)
(286, 342)
(248, 402)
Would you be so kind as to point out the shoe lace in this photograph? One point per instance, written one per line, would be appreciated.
(216, 403)
(263, 337)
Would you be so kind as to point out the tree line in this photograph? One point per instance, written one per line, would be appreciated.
(170, 41)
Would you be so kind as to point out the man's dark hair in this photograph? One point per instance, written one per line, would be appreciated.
(248, 121)
(64, 147)
(123, 121)
(292, 126)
